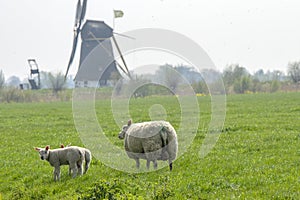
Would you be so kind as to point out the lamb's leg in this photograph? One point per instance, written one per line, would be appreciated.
(73, 166)
(137, 163)
(56, 173)
(70, 170)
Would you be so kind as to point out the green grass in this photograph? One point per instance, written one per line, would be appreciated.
(257, 155)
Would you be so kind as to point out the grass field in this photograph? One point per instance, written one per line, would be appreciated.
(257, 155)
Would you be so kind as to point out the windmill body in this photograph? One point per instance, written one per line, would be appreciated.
(97, 63)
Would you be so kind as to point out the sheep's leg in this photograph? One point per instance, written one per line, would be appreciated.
(137, 163)
(170, 165)
(88, 159)
(56, 173)
(73, 166)
(87, 164)
(148, 164)
(155, 164)
(79, 165)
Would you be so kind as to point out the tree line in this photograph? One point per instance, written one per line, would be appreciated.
(236, 79)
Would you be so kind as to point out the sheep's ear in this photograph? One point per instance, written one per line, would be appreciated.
(47, 147)
(129, 122)
(62, 146)
(37, 149)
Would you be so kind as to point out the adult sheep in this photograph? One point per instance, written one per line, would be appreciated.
(152, 141)
(73, 156)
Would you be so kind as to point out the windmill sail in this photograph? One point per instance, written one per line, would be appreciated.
(83, 11)
(123, 60)
(80, 14)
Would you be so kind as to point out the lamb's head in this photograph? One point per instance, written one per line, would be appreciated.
(124, 130)
(44, 153)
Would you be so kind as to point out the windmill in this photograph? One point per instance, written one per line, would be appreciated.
(97, 63)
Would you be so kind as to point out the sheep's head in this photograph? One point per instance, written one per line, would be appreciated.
(43, 152)
(124, 130)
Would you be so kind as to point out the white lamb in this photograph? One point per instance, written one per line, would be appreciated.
(152, 141)
(73, 156)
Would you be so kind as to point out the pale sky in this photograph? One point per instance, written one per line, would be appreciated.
(257, 34)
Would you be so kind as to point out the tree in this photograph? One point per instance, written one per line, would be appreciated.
(200, 87)
(233, 72)
(259, 75)
(238, 77)
(13, 81)
(56, 81)
(169, 76)
(2, 79)
(275, 86)
(242, 85)
(210, 75)
(278, 75)
(256, 85)
(228, 76)
(239, 72)
(294, 71)
(190, 74)
(44, 78)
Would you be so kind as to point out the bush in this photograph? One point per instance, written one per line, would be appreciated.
(117, 189)
(162, 189)
(200, 87)
(11, 94)
(106, 190)
(275, 86)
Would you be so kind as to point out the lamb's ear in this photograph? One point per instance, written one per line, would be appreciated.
(37, 149)
(129, 122)
(47, 147)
